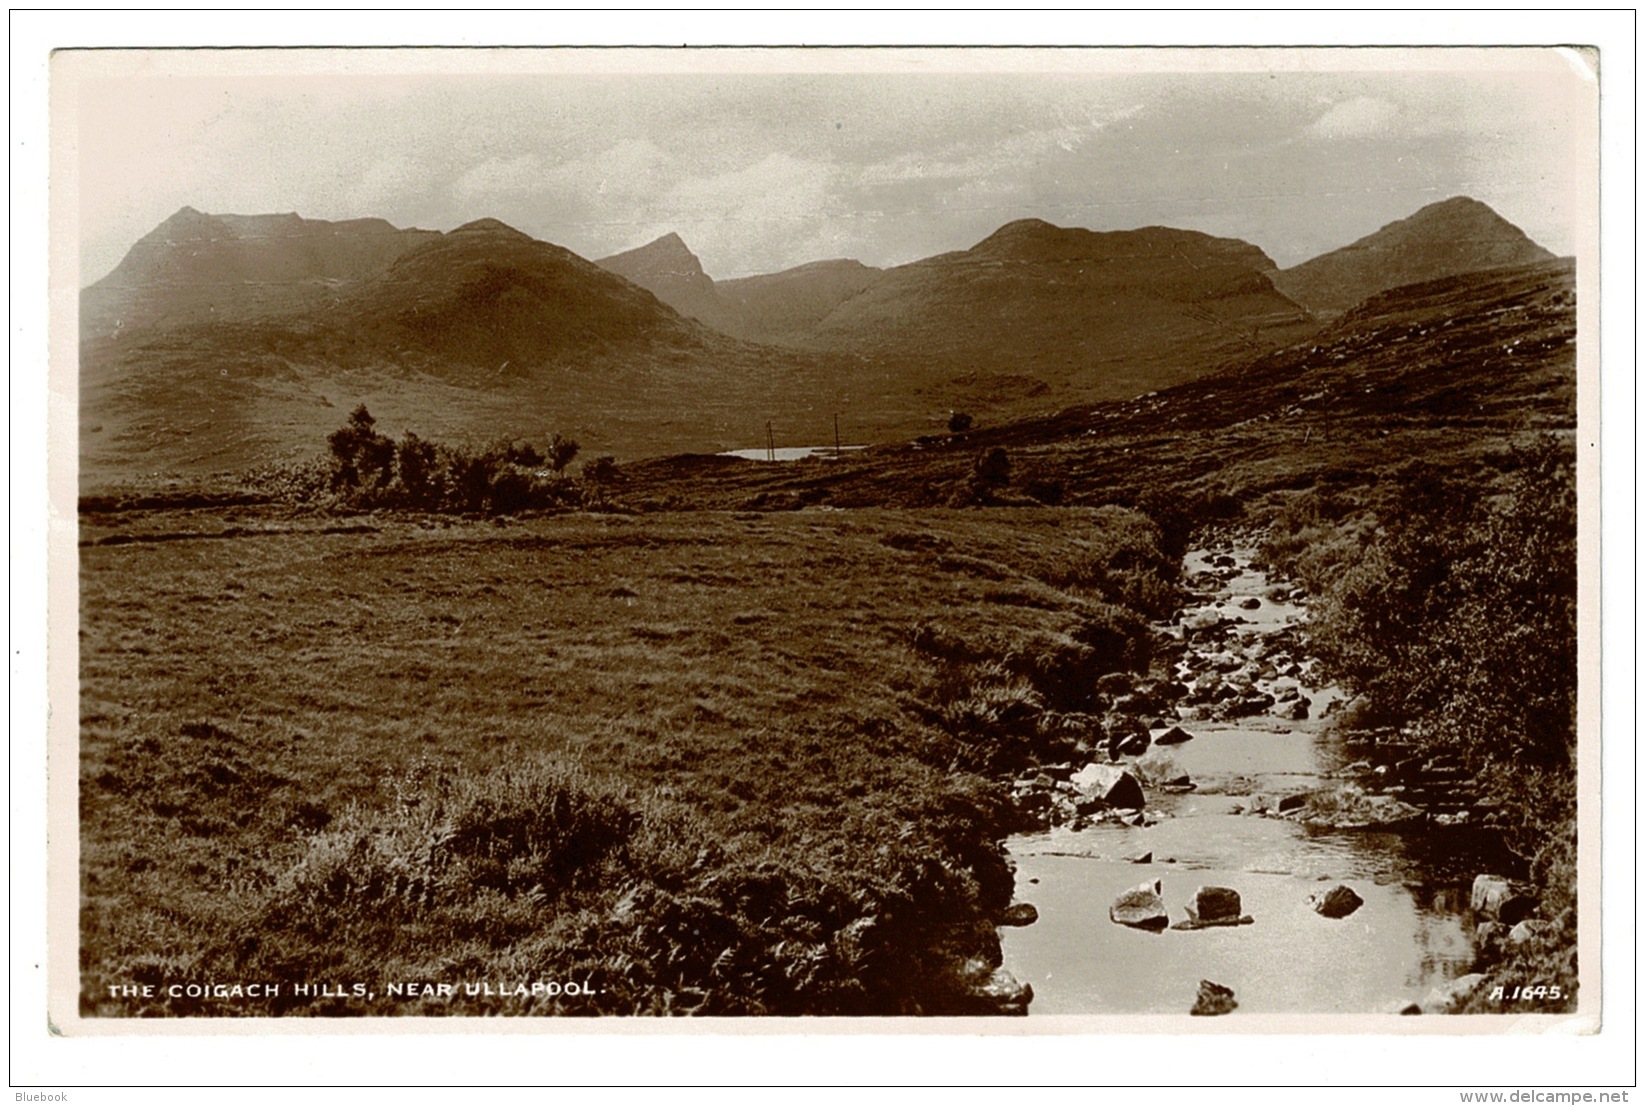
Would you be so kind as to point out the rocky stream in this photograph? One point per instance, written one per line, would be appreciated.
(1234, 840)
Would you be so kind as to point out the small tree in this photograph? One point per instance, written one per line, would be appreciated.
(959, 422)
(365, 458)
(560, 452)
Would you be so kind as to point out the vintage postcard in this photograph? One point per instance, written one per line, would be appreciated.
(954, 540)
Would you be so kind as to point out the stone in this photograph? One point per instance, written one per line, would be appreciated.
(1110, 783)
(1140, 908)
(1212, 903)
(1250, 603)
(1528, 930)
(1145, 857)
(1006, 992)
(1352, 807)
(1213, 999)
(1176, 735)
(1020, 914)
(1132, 744)
(1494, 897)
(1289, 803)
(1336, 902)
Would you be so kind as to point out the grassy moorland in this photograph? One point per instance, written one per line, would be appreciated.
(708, 762)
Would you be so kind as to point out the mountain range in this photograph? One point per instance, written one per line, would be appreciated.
(222, 341)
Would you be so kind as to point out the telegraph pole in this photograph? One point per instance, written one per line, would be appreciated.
(836, 435)
(770, 443)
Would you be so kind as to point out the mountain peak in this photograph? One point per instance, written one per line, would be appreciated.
(1446, 238)
(489, 226)
(665, 256)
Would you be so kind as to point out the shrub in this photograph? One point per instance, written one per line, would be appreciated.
(959, 422)
(1121, 560)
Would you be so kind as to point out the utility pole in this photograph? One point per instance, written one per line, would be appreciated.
(836, 435)
(770, 443)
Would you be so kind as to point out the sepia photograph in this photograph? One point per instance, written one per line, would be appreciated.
(950, 535)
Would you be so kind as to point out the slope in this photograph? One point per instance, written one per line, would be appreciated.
(1458, 235)
(1081, 315)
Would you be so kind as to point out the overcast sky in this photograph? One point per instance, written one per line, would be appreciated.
(1296, 152)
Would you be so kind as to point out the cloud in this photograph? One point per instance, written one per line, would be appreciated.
(1356, 118)
(500, 177)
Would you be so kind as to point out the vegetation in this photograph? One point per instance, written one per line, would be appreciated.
(369, 469)
(1451, 606)
(704, 762)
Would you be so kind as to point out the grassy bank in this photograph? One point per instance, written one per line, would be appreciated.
(705, 762)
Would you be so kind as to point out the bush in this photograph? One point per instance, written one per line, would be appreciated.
(1122, 561)
(959, 422)
(370, 470)
(1459, 618)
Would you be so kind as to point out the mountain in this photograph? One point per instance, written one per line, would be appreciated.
(777, 308)
(1451, 374)
(1035, 308)
(196, 267)
(785, 307)
(479, 333)
(670, 271)
(486, 296)
(1459, 235)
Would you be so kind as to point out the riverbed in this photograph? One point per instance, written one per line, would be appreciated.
(1412, 933)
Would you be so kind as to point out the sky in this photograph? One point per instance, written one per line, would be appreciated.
(762, 161)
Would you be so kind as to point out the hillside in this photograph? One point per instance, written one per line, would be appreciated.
(1448, 373)
(196, 268)
(670, 271)
(472, 335)
(1066, 314)
(1459, 235)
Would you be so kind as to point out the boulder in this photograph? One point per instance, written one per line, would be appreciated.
(1140, 908)
(1288, 803)
(1006, 993)
(1157, 767)
(1176, 735)
(1132, 744)
(1020, 914)
(1494, 898)
(1213, 999)
(1352, 807)
(1250, 603)
(1145, 857)
(1212, 904)
(1110, 783)
(1528, 930)
(1336, 902)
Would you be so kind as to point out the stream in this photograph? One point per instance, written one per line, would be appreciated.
(1412, 933)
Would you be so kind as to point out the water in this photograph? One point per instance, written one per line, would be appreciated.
(789, 452)
(1411, 934)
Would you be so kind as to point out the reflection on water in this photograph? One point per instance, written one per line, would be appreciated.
(1411, 934)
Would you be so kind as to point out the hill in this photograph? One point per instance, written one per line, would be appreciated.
(1449, 373)
(479, 333)
(196, 268)
(670, 271)
(1458, 235)
(785, 307)
(1067, 314)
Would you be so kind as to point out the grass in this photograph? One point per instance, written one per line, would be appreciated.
(264, 710)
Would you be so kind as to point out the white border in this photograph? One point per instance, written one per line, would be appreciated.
(604, 1056)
